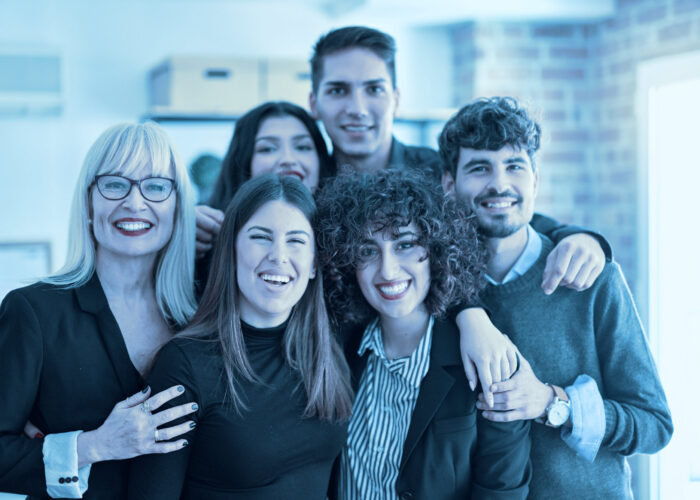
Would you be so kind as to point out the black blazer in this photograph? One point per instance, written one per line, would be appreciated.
(63, 365)
(451, 452)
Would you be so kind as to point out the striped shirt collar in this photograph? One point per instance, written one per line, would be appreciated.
(403, 367)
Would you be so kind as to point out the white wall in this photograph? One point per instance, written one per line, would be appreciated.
(108, 49)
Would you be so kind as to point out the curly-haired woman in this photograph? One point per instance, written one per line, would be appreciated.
(396, 254)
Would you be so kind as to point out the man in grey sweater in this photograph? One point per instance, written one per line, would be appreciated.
(586, 373)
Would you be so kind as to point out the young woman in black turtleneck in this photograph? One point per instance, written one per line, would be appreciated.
(260, 358)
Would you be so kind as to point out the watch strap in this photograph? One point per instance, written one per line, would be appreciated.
(559, 394)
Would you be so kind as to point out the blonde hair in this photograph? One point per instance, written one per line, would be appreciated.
(125, 148)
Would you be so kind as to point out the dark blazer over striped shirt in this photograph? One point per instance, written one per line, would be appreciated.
(451, 452)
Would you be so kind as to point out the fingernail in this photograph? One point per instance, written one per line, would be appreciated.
(145, 389)
(192, 425)
(194, 406)
(185, 443)
(180, 388)
(39, 435)
(472, 385)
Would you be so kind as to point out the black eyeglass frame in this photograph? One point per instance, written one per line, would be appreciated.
(133, 183)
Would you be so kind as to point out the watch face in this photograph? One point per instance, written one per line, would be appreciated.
(558, 414)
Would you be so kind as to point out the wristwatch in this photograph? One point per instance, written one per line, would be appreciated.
(559, 410)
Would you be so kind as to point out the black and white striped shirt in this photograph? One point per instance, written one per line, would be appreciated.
(381, 416)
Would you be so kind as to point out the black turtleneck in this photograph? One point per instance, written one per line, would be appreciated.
(269, 451)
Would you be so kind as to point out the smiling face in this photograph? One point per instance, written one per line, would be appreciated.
(284, 146)
(357, 102)
(499, 187)
(131, 227)
(394, 274)
(274, 262)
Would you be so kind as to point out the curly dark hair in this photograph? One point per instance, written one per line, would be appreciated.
(488, 124)
(353, 205)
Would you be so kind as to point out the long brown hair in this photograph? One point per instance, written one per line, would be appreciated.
(235, 168)
(309, 345)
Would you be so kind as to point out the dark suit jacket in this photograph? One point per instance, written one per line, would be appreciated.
(451, 452)
(63, 365)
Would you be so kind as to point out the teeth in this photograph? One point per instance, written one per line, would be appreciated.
(356, 128)
(501, 204)
(276, 279)
(396, 289)
(294, 174)
(133, 226)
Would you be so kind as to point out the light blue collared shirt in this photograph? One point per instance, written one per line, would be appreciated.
(61, 462)
(532, 251)
(587, 411)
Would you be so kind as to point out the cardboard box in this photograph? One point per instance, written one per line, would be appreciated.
(205, 85)
(286, 80)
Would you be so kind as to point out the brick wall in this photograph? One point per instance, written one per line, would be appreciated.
(580, 81)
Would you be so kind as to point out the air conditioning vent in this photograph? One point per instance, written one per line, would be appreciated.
(30, 82)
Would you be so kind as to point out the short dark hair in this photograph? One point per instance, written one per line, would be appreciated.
(354, 204)
(382, 44)
(488, 124)
(235, 168)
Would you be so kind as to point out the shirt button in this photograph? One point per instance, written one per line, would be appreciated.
(61, 480)
(75, 479)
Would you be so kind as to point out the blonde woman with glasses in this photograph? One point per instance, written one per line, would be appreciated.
(75, 348)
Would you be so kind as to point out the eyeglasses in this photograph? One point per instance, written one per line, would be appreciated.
(116, 187)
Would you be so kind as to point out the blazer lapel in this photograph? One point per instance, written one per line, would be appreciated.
(435, 385)
(92, 299)
(356, 363)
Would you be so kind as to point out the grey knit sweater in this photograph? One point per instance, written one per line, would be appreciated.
(596, 332)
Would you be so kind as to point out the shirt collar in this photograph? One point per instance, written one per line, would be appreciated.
(404, 367)
(527, 258)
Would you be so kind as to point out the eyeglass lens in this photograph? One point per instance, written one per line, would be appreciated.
(116, 187)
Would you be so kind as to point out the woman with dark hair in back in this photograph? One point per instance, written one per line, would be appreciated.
(259, 357)
(275, 137)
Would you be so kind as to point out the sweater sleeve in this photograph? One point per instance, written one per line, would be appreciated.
(637, 418)
(556, 231)
(21, 360)
(162, 476)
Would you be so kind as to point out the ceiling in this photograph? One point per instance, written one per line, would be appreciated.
(431, 12)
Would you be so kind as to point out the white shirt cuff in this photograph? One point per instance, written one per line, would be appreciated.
(63, 478)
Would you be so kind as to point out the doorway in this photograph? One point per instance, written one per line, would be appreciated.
(668, 103)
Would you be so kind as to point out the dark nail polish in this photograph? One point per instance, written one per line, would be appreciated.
(145, 390)
(39, 435)
(185, 444)
(192, 425)
(180, 388)
(195, 406)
